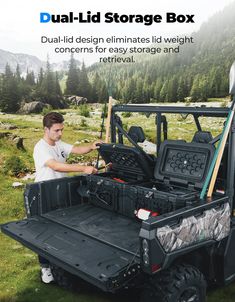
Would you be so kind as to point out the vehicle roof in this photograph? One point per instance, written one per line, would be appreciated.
(198, 111)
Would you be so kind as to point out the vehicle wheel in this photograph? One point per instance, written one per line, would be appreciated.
(62, 277)
(181, 283)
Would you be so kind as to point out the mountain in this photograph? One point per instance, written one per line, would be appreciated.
(28, 62)
(63, 65)
(25, 61)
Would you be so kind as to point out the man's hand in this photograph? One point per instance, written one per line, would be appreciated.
(86, 149)
(94, 145)
(64, 167)
(90, 170)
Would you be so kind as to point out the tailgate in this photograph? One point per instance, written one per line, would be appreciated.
(103, 265)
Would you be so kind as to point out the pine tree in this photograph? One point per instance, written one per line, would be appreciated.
(172, 89)
(103, 94)
(10, 96)
(215, 82)
(50, 81)
(195, 92)
(203, 87)
(73, 78)
(129, 90)
(181, 91)
(30, 78)
(49, 91)
(164, 92)
(18, 73)
(84, 87)
(157, 89)
(96, 86)
(57, 86)
(146, 94)
(23, 91)
(40, 77)
(139, 90)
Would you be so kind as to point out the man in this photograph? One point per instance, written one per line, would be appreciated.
(50, 155)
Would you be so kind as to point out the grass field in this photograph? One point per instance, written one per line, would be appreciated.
(19, 270)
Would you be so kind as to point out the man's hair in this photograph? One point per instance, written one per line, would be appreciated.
(52, 118)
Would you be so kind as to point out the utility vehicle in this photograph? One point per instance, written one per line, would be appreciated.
(142, 223)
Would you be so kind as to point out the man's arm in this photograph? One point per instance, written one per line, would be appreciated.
(85, 149)
(63, 167)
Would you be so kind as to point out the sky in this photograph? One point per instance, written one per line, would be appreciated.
(21, 30)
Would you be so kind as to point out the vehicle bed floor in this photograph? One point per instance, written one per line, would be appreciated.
(99, 223)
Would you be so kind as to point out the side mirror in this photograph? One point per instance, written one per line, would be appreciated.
(232, 79)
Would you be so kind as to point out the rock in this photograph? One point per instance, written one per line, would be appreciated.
(17, 184)
(4, 134)
(7, 126)
(77, 100)
(33, 107)
(18, 141)
(28, 176)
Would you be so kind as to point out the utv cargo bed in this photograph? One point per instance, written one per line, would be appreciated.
(90, 242)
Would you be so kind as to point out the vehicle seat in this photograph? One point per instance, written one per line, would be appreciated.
(136, 134)
(202, 137)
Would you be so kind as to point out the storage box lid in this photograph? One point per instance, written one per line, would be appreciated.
(184, 163)
(127, 160)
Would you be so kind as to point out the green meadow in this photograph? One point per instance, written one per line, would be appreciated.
(19, 269)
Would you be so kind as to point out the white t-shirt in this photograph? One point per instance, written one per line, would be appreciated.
(43, 152)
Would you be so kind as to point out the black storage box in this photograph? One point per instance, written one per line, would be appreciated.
(127, 163)
(112, 195)
(179, 174)
(114, 189)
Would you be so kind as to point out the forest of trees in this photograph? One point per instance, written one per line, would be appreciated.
(15, 89)
(152, 81)
(77, 83)
(45, 87)
(200, 71)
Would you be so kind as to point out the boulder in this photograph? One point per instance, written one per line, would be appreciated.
(4, 134)
(16, 140)
(17, 184)
(29, 176)
(76, 100)
(32, 107)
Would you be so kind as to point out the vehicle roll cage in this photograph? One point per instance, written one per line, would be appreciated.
(161, 125)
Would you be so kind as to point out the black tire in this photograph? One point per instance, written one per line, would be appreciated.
(181, 283)
(63, 278)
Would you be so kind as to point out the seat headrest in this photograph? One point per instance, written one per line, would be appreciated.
(137, 134)
(202, 137)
